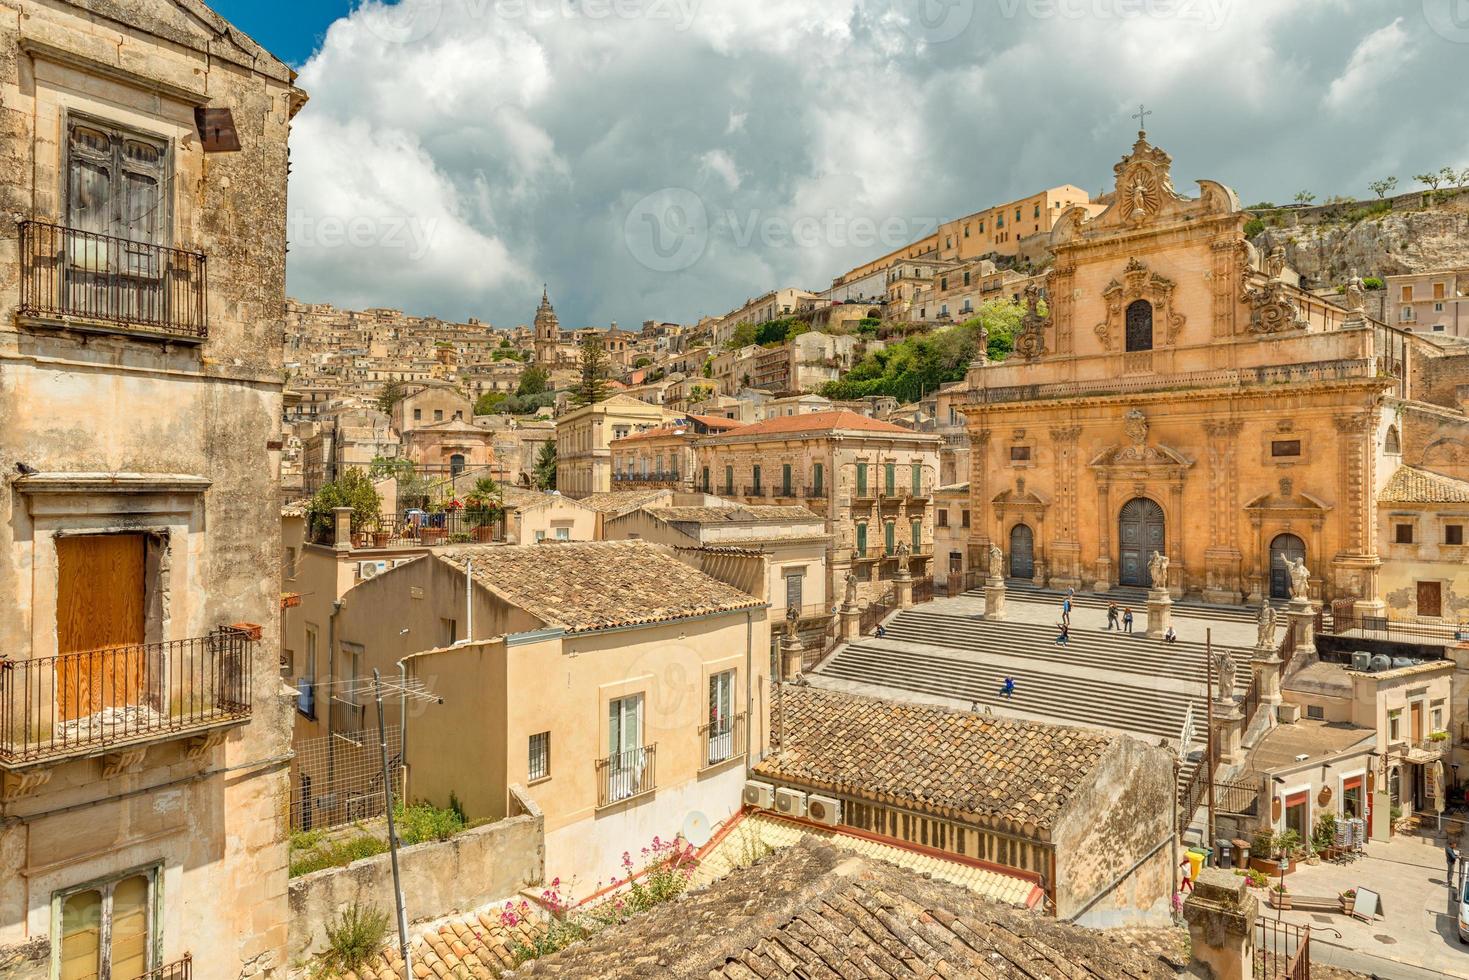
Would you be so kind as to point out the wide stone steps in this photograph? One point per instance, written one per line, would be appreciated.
(1133, 653)
(1125, 596)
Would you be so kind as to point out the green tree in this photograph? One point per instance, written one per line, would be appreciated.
(484, 504)
(592, 387)
(504, 343)
(1304, 197)
(489, 403)
(533, 381)
(351, 489)
(545, 471)
(743, 336)
(1384, 186)
(1431, 179)
(391, 394)
(1449, 175)
(642, 362)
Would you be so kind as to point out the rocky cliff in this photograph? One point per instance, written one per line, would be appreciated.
(1326, 251)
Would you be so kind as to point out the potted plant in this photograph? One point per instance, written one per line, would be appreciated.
(1348, 900)
(1279, 896)
(484, 506)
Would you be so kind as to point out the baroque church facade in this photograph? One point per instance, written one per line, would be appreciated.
(1179, 393)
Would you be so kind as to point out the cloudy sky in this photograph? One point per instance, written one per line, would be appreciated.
(670, 158)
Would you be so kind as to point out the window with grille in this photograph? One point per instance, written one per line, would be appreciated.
(540, 756)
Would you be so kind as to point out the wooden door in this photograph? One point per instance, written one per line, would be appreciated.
(99, 607)
(1415, 723)
(1430, 599)
(1022, 552)
(1140, 532)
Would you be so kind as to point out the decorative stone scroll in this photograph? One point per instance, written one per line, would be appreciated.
(1138, 283)
(1271, 308)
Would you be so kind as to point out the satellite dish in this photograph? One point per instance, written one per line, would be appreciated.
(696, 829)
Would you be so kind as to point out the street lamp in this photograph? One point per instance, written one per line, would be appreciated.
(1280, 897)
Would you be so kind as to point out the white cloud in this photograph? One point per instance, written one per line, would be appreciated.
(518, 137)
(1381, 55)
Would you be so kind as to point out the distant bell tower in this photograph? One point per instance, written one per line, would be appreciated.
(548, 332)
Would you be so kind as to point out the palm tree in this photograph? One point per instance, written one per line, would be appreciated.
(484, 506)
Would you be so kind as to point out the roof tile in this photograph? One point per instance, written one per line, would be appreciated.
(1410, 485)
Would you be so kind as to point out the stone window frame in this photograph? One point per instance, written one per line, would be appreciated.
(1029, 460)
(153, 870)
(168, 509)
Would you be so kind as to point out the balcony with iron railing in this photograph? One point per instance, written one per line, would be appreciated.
(816, 492)
(724, 739)
(622, 776)
(96, 701)
(755, 491)
(181, 969)
(102, 283)
(348, 714)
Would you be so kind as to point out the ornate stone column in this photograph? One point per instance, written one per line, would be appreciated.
(1222, 557)
(1358, 557)
(1065, 551)
(979, 496)
(1103, 580)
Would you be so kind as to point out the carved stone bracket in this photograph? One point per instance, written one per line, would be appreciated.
(1138, 283)
(1271, 308)
(201, 745)
(18, 785)
(117, 763)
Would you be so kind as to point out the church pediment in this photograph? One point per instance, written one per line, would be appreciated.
(1136, 453)
(1287, 498)
(1020, 497)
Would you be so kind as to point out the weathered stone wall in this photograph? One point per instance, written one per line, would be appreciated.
(465, 872)
(1383, 245)
(1116, 820)
(109, 403)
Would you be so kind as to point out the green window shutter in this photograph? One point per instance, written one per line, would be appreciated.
(890, 536)
(785, 478)
(861, 539)
(861, 479)
(917, 535)
(917, 480)
(816, 477)
(890, 478)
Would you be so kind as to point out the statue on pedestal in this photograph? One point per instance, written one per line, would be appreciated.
(997, 562)
(1356, 294)
(1265, 637)
(793, 617)
(1300, 578)
(1158, 570)
(1224, 670)
(851, 594)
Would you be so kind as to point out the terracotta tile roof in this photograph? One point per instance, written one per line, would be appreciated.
(758, 832)
(476, 946)
(615, 503)
(740, 513)
(591, 585)
(1410, 485)
(817, 911)
(717, 421)
(909, 754)
(662, 432)
(815, 423)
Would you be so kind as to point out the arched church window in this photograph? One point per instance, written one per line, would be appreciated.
(1392, 445)
(1140, 325)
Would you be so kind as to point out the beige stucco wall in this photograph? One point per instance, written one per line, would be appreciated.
(109, 404)
(440, 878)
(581, 523)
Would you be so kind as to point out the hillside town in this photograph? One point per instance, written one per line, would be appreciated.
(1078, 589)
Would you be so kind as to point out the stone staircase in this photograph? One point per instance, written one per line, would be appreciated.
(1128, 596)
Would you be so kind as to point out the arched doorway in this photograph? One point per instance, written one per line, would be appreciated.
(1140, 325)
(1285, 546)
(1140, 533)
(1022, 552)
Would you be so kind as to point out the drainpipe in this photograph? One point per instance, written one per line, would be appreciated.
(469, 600)
(403, 724)
(749, 684)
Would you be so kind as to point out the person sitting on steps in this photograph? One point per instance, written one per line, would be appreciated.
(1170, 636)
(1064, 638)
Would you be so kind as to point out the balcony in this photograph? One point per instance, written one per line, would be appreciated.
(785, 492)
(88, 703)
(1425, 750)
(755, 491)
(723, 740)
(177, 970)
(817, 492)
(348, 717)
(101, 283)
(624, 775)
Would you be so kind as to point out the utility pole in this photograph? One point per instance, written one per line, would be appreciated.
(1209, 744)
(382, 737)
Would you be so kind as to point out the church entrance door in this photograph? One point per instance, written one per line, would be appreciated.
(1285, 546)
(1140, 532)
(1022, 552)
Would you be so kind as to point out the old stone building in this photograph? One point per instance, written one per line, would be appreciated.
(143, 731)
(1180, 394)
(870, 480)
(584, 437)
(555, 349)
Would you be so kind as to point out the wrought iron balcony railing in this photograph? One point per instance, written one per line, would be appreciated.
(83, 703)
(623, 775)
(724, 739)
(90, 280)
(182, 969)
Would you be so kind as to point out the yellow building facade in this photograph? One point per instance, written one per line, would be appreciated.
(1180, 394)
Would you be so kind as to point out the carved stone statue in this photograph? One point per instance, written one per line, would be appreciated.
(793, 617)
(1300, 578)
(1356, 293)
(997, 562)
(902, 550)
(1225, 671)
(1265, 625)
(1033, 299)
(1275, 262)
(851, 594)
(1158, 570)
(1136, 426)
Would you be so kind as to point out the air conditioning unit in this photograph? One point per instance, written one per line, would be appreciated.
(1361, 660)
(403, 561)
(790, 802)
(369, 569)
(759, 795)
(824, 810)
